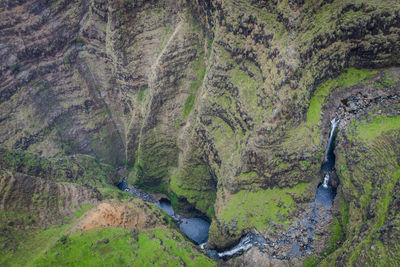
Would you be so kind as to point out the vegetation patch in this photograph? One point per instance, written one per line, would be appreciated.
(309, 131)
(156, 157)
(247, 209)
(193, 182)
(348, 78)
(141, 95)
(27, 245)
(188, 106)
(369, 182)
(368, 130)
(114, 246)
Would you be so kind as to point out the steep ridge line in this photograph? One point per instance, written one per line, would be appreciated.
(153, 76)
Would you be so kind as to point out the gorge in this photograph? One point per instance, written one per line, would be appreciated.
(197, 229)
(199, 133)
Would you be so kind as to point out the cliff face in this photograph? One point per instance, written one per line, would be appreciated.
(224, 105)
(368, 171)
(264, 109)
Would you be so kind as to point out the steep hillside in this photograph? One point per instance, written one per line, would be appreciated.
(223, 106)
(369, 171)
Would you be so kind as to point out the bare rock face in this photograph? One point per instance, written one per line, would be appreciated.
(222, 105)
(46, 102)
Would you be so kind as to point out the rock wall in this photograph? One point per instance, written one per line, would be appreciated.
(224, 105)
(260, 115)
(368, 170)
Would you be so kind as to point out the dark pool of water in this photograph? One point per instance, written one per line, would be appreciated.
(122, 185)
(195, 228)
(166, 206)
(325, 196)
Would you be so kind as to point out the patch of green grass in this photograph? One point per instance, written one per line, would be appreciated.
(112, 192)
(141, 95)
(257, 209)
(377, 126)
(337, 236)
(311, 261)
(177, 124)
(82, 210)
(188, 106)
(306, 163)
(194, 86)
(35, 242)
(199, 68)
(247, 176)
(112, 246)
(348, 78)
(247, 86)
(297, 72)
(80, 41)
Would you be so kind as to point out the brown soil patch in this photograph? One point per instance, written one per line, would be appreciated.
(115, 215)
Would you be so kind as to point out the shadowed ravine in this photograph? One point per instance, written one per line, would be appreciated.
(197, 229)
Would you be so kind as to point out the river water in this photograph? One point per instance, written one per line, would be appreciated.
(195, 228)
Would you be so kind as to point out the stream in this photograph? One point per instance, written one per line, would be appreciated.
(197, 229)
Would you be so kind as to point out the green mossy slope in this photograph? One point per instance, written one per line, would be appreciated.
(113, 246)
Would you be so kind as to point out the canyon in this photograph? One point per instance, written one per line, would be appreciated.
(272, 126)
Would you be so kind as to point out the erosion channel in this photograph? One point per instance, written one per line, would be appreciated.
(197, 229)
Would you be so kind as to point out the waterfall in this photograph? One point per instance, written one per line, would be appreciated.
(329, 149)
(329, 156)
(326, 180)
